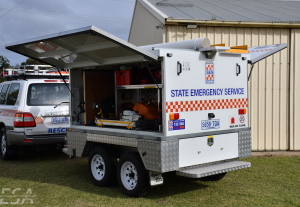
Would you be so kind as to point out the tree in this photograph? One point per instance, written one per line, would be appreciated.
(4, 62)
(31, 61)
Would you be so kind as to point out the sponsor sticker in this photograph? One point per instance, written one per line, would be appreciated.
(176, 124)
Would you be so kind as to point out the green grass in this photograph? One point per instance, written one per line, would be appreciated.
(56, 180)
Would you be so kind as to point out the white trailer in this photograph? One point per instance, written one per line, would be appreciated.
(198, 92)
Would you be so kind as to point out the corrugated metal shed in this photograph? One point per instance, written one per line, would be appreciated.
(230, 10)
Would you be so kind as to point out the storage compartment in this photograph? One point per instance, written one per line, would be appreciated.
(200, 150)
(122, 101)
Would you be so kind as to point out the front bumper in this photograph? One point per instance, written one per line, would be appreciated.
(19, 138)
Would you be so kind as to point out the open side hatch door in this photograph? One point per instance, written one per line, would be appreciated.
(84, 47)
(261, 52)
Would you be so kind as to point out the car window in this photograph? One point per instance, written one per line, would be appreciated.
(3, 93)
(13, 94)
(43, 94)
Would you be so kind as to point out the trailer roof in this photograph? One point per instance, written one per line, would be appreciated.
(84, 47)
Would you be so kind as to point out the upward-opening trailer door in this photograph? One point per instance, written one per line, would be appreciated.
(85, 47)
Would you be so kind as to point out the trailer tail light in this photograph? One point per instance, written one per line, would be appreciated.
(242, 111)
(174, 116)
(24, 120)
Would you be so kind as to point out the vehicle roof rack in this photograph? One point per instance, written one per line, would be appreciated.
(34, 72)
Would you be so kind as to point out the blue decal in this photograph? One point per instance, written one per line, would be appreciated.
(207, 92)
(57, 130)
(176, 124)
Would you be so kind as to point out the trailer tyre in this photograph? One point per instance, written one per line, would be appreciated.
(5, 149)
(216, 177)
(133, 178)
(102, 167)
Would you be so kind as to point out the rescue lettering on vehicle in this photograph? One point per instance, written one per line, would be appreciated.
(207, 92)
(57, 130)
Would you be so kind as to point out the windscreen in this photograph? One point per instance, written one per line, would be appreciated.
(44, 94)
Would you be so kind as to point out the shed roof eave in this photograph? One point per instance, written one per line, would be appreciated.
(171, 21)
(154, 11)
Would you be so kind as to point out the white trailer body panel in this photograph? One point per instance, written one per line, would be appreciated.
(193, 93)
(201, 150)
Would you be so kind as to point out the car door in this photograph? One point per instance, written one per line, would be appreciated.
(48, 102)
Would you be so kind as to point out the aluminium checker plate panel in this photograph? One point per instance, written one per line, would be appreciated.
(245, 147)
(207, 170)
(115, 140)
(77, 142)
(159, 156)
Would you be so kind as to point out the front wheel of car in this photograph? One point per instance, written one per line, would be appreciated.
(5, 151)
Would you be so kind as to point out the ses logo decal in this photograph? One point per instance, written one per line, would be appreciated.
(176, 124)
(209, 73)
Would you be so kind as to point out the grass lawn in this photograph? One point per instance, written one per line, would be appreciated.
(50, 178)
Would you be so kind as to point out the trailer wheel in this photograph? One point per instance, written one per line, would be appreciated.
(216, 177)
(5, 149)
(102, 166)
(133, 178)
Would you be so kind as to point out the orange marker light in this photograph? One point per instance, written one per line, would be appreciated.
(171, 116)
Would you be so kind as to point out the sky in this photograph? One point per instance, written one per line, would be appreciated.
(26, 19)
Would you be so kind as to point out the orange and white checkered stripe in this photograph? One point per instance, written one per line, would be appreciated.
(209, 77)
(209, 66)
(38, 120)
(202, 105)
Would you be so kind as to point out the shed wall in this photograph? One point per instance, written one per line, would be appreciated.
(143, 28)
(294, 112)
(274, 116)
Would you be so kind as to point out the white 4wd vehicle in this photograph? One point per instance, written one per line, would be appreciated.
(33, 112)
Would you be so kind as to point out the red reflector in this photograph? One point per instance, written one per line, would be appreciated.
(232, 120)
(174, 116)
(242, 111)
(27, 140)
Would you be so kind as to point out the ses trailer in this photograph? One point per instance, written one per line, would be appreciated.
(139, 112)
